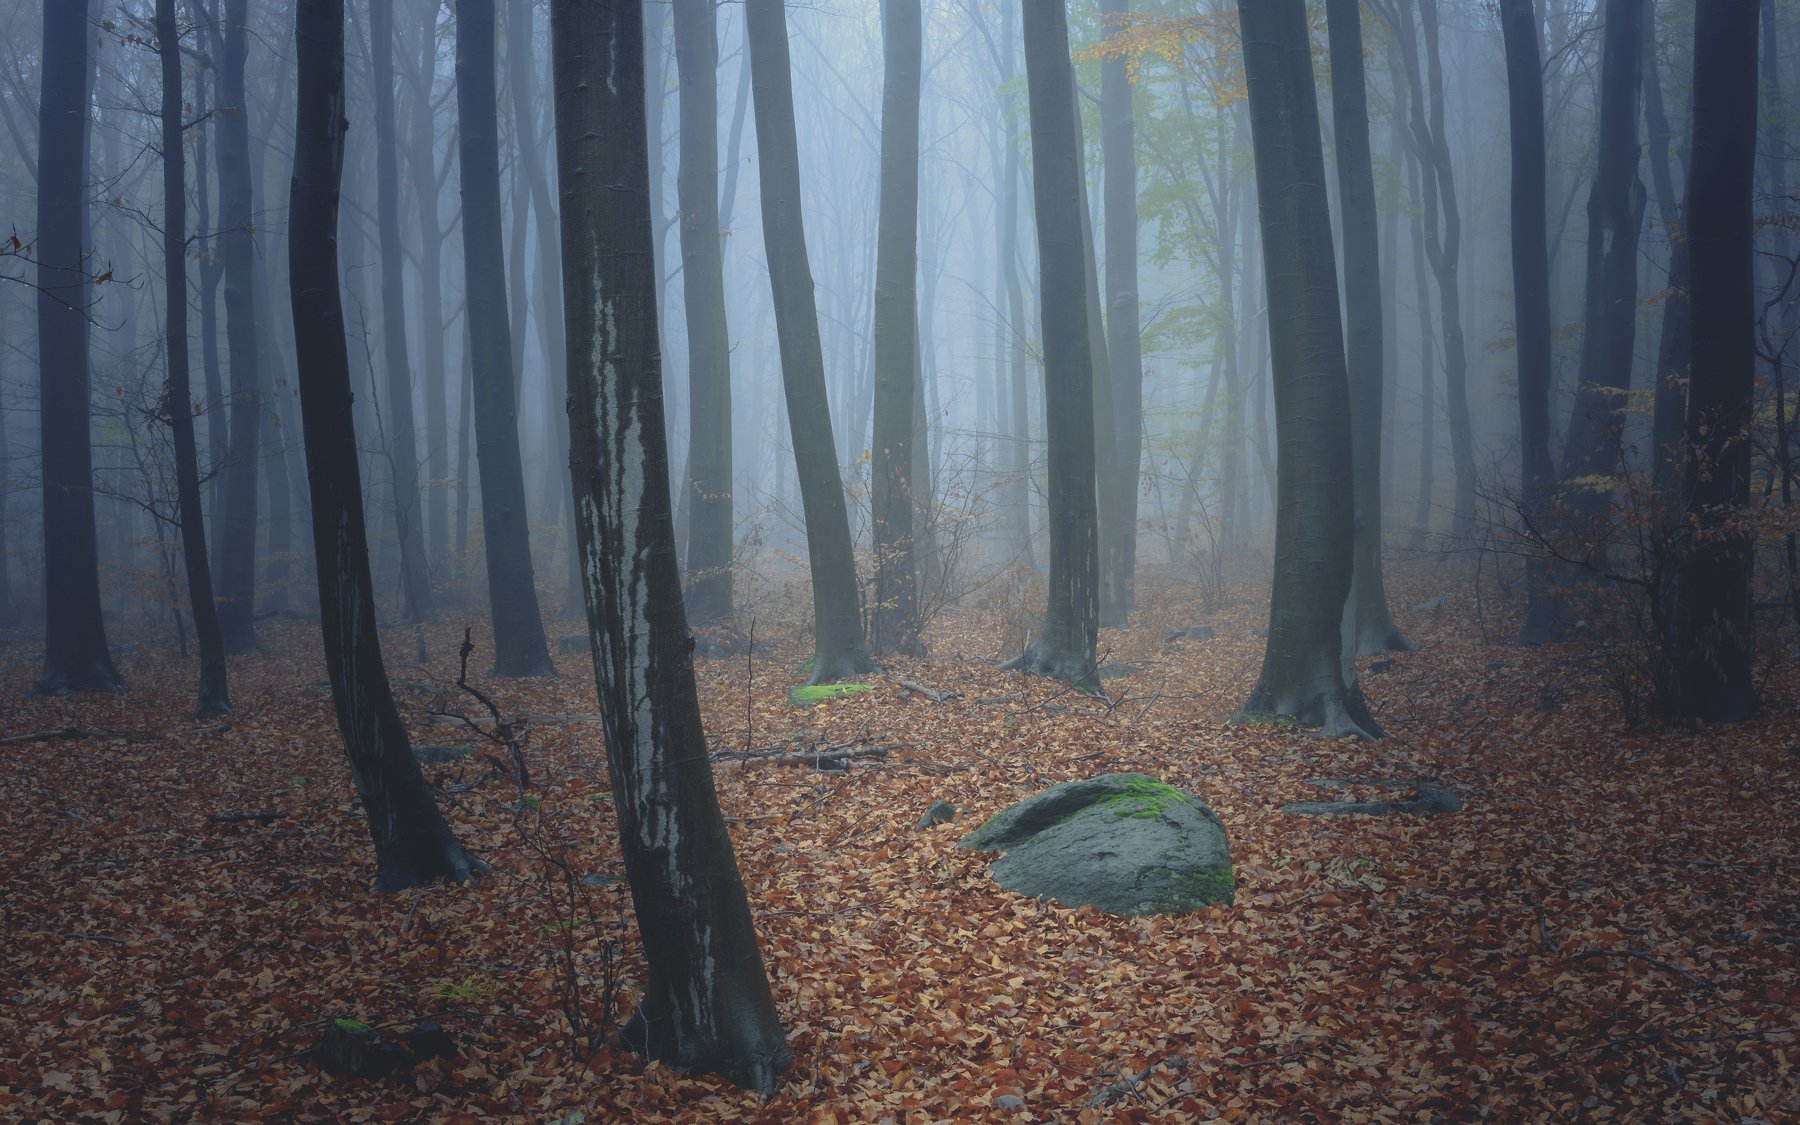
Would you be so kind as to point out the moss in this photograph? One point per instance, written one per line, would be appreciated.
(1143, 799)
(821, 693)
(354, 1027)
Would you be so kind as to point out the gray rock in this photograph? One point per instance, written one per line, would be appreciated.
(573, 643)
(940, 812)
(438, 755)
(1123, 842)
(1430, 605)
(1009, 1102)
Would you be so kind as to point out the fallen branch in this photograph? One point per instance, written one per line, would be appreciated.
(932, 694)
(819, 757)
(51, 735)
(240, 817)
(1648, 959)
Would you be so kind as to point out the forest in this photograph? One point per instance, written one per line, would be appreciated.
(900, 560)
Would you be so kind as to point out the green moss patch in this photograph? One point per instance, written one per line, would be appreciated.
(824, 693)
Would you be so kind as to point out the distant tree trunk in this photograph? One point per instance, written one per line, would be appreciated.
(1018, 499)
(211, 273)
(708, 483)
(1669, 412)
(707, 1004)
(894, 618)
(1115, 601)
(403, 445)
(421, 159)
(413, 845)
(1304, 666)
(1372, 627)
(839, 651)
(1064, 648)
(512, 593)
(235, 552)
(75, 652)
(1531, 301)
(1421, 529)
(1118, 143)
(1714, 642)
(212, 698)
(1615, 215)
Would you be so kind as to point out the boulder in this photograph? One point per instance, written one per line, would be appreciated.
(1123, 842)
(940, 812)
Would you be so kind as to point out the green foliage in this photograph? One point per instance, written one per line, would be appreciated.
(354, 1027)
(466, 990)
(824, 693)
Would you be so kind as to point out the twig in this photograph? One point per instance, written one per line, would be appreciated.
(1657, 962)
(238, 817)
(932, 694)
(51, 735)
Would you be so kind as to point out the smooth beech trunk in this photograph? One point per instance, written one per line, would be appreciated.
(1064, 648)
(212, 697)
(894, 618)
(1124, 343)
(1304, 673)
(75, 653)
(413, 845)
(707, 1004)
(839, 651)
(519, 648)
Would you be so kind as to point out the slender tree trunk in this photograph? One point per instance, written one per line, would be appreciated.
(1065, 647)
(403, 448)
(413, 845)
(894, 618)
(211, 273)
(1714, 642)
(1303, 672)
(1372, 627)
(1018, 501)
(708, 483)
(1115, 602)
(519, 648)
(1118, 140)
(75, 653)
(212, 698)
(839, 651)
(1670, 395)
(707, 1004)
(421, 159)
(1421, 530)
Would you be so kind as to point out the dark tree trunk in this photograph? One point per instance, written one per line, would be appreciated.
(512, 593)
(212, 697)
(1064, 649)
(1531, 302)
(75, 652)
(707, 1004)
(708, 483)
(413, 845)
(1304, 670)
(1372, 627)
(235, 552)
(1124, 345)
(1714, 643)
(1669, 411)
(839, 651)
(211, 273)
(403, 446)
(1615, 214)
(894, 618)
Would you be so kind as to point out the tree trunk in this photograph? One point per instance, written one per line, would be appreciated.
(708, 482)
(212, 697)
(1115, 601)
(1714, 643)
(839, 651)
(403, 447)
(1303, 672)
(1064, 649)
(413, 845)
(707, 1004)
(894, 618)
(1669, 411)
(421, 158)
(1531, 302)
(75, 652)
(512, 593)
(1018, 495)
(1372, 627)
(1118, 133)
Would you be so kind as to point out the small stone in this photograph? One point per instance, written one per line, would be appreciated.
(940, 812)
(438, 755)
(574, 643)
(1009, 1102)
(1377, 667)
(1430, 605)
(601, 880)
(1201, 633)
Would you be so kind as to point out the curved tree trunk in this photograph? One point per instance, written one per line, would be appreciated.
(707, 1004)
(839, 651)
(413, 845)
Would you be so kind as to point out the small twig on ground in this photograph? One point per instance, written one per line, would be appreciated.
(238, 817)
(51, 735)
(1648, 959)
(932, 694)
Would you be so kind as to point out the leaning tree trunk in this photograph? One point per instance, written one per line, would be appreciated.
(707, 1004)
(1372, 627)
(1714, 643)
(1124, 344)
(1531, 303)
(403, 444)
(236, 549)
(839, 651)
(413, 845)
(1064, 649)
(708, 483)
(75, 652)
(512, 592)
(213, 698)
(1303, 673)
(894, 618)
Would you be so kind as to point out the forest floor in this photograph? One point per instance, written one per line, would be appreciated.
(1609, 930)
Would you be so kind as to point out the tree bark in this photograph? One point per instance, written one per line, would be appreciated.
(1303, 672)
(212, 697)
(1115, 599)
(413, 845)
(75, 653)
(1669, 410)
(519, 648)
(707, 1004)
(421, 159)
(839, 651)
(1124, 344)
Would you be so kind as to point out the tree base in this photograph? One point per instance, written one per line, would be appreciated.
(451, 864)
(743, 1055)
(1071, 668)
(92, 674)
(1324, 714)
